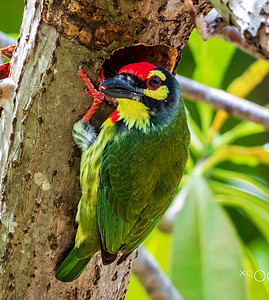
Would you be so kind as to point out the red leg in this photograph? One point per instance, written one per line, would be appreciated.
(98, 96)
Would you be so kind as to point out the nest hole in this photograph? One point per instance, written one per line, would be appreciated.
(161, 55)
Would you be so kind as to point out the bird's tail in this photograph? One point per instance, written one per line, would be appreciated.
(71, 267)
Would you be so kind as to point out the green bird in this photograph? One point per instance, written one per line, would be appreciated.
(130, 172)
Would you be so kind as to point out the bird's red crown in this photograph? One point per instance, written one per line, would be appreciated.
(140, 70)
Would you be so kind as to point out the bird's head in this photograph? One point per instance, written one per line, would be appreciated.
(152, 85)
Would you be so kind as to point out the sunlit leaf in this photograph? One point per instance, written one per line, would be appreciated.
(242, 182)
(251, 156)
(206, 251)
(239, 131)
(252, 76)
(7, 51)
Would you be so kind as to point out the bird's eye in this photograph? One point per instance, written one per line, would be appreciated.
(154, 82)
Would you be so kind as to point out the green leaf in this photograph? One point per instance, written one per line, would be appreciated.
(239, 131)
(206, 251)
(242, 182)
(254, 207)
(211, 65)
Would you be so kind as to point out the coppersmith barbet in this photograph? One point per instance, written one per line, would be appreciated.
(131, 170)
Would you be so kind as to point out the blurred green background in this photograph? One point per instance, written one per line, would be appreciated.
(11, 12)
(223, 226)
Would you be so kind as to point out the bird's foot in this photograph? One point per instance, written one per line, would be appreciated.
(98, 96)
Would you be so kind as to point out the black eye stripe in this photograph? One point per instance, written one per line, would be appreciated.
(154, 82)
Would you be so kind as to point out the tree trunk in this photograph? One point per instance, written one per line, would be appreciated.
(39, 166)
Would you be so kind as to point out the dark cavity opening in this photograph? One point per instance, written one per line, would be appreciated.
(164, 56)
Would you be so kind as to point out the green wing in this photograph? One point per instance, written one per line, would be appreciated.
(137, 184)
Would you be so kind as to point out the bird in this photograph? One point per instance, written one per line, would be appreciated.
(131, 171)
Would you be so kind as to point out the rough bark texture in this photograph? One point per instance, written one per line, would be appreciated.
(252, 19)
(39, 166)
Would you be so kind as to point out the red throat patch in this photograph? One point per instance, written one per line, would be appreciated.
(140, 70)
(114, 116)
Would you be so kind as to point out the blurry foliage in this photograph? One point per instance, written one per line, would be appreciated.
(11, 16)
(223, 227)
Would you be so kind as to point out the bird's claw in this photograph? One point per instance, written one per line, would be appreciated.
(98, 96)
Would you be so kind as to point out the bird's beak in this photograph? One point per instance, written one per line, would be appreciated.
(120, 87)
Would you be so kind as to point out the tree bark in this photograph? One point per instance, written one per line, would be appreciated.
(251, 19)
(39, 162)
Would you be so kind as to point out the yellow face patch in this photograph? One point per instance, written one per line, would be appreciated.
(159, 94)
(157, 73)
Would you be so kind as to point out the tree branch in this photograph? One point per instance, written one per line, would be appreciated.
(219, 99)
(153, 279)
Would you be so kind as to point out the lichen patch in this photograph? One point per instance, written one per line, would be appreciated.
(42, 181)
